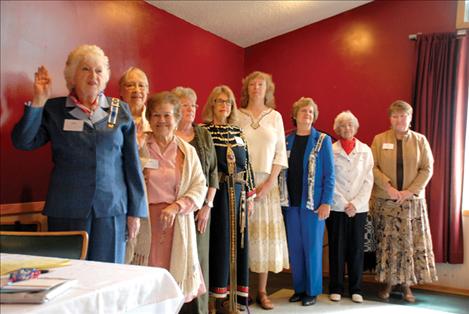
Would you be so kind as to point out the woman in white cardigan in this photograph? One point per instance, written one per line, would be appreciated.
(346, 224)
(176, 188)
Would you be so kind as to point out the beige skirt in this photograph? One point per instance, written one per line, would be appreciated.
(404, 253)
(268, 249)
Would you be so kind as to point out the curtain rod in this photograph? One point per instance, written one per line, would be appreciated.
(459, 33)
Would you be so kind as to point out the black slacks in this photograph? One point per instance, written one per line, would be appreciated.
(346, 238)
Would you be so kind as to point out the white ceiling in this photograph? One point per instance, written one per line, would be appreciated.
(246, 23)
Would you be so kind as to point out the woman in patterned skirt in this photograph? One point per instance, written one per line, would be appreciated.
(218, 114)
(263, 127)
(403, 167)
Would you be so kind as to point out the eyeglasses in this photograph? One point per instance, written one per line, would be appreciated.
(220, 101)
(134, 85)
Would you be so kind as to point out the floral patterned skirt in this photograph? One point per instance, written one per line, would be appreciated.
(404, 253)
(268, 250)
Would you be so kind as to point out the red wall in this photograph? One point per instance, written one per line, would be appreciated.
(360, 60)
(132, 33)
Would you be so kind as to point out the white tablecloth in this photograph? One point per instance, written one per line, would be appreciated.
(107, 288)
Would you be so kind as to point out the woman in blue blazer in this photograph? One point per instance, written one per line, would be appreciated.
(96, 183)
(307, 189)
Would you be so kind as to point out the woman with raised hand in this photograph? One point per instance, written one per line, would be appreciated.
(96, 183)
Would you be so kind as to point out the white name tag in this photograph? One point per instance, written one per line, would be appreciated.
(239, 140)
(152, 163)
(73, 125)
(388, 146)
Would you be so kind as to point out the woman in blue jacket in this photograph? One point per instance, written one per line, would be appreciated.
(307, 189)
(96, 183)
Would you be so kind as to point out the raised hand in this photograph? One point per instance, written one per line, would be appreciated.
(42, 87)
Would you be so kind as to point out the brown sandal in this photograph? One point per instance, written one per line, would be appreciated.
(385, 293)
(408, 296)
(264, 301)
(225, 306)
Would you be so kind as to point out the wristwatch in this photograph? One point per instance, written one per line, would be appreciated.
(209, 204)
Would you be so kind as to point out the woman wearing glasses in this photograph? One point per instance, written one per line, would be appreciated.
(219, 114)
(134, 89)
(199, 137)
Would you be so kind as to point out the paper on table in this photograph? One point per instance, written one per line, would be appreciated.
(37, 296)
(13, 262)
(37, 284)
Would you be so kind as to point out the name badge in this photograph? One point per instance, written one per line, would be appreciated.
(152, 163)
(388, 146)
(73, 125)
(239, 141)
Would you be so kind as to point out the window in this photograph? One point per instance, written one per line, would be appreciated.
(462, 15)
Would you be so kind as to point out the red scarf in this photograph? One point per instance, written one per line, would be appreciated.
(86, 110)
(347, 145)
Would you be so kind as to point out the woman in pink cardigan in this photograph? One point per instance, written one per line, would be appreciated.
(176, 188)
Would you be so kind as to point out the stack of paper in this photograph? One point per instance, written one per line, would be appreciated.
(38, 290)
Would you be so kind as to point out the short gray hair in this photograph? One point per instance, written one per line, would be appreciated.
(185, 92)
(124, 76)
(78, 55)
(345, 116)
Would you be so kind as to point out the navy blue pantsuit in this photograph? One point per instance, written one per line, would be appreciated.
(96, 181)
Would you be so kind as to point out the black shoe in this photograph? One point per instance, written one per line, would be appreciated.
(296, 297)
(308, 300)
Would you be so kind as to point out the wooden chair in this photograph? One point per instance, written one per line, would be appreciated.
(64, 244)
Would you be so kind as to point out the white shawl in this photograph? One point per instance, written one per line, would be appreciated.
(184, 264)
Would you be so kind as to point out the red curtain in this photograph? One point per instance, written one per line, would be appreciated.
(440, 102)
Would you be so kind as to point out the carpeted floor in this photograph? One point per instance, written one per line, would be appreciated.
(324, 305)
(280, 289)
